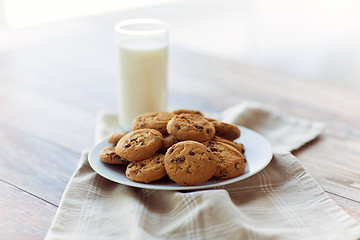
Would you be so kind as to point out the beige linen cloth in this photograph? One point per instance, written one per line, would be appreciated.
(281, 202)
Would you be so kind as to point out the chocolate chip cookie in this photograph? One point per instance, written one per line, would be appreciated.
(153, 120)
(225, 130)
(115, 137)
(180, 111)
(231, 163)
(190, 163)
(108, 155)
(168, 141)
(139, 145)
(188, 126)
(238, 146)
(147, 170)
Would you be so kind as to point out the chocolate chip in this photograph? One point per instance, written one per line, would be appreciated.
(128, 145)
(213, 149)
(223, 172)
(207, 130)
(237, 165)
(188, 121)
(131, 165)
(142, 164)
(192, 153)
(117, 158)
(177, 127)
(199, 127)
(180, 159)
(138, 172)
(142, 125)
(188, 170)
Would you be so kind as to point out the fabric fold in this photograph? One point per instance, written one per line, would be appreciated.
(284, 132)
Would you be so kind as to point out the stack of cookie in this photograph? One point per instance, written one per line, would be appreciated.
(184, 144)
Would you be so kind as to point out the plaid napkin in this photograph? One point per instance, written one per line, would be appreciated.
(280, 202)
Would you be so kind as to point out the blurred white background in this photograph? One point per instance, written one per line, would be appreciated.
(22, 13)
(312, 39)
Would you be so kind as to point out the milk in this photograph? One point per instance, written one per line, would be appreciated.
(142, 78)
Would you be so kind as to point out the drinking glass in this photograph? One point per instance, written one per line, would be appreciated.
(143, 62)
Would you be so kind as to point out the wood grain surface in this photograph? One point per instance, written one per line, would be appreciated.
(52, 88)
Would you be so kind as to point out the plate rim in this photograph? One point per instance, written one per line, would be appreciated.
(92, 157)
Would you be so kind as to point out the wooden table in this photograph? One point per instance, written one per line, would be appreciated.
(53, 84)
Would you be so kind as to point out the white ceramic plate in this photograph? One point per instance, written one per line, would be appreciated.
(258, 155)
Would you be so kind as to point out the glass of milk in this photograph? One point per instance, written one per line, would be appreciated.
(143, 60)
